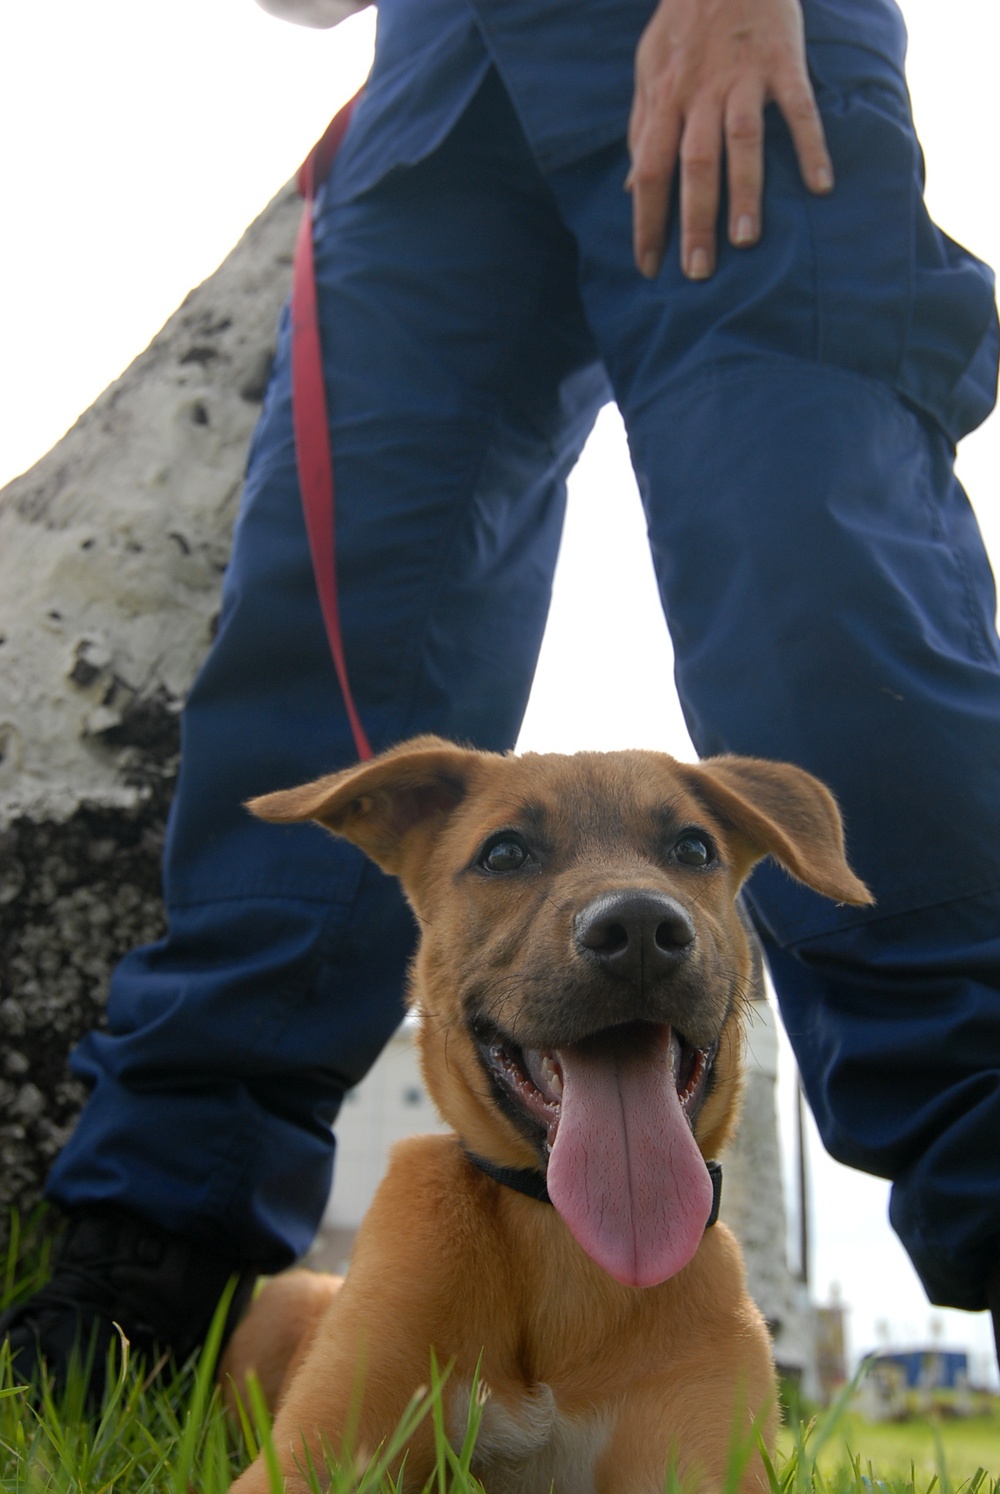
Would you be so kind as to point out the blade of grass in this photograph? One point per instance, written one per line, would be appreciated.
(203, 1391)
(420, 1404)
(246, 1425)
(262, 1420)
(479, 1394)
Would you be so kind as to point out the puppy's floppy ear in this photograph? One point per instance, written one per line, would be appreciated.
(382, 804)
(776, 809)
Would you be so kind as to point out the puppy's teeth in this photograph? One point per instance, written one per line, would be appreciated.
(551, 1076)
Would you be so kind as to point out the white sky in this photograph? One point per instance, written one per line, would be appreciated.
(138, 142)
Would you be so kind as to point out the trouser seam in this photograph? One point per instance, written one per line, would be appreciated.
(730, 367)
(918, 906)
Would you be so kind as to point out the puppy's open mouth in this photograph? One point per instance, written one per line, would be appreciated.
(533, 1077)
(612, 1118)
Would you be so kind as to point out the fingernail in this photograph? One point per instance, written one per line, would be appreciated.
(746, 229)
(650, 265)
(628, 180)
(824, 179)
(698, 265)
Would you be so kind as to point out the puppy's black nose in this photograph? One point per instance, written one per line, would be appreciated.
(637, 935)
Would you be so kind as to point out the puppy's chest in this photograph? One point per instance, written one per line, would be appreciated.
(528, 1446)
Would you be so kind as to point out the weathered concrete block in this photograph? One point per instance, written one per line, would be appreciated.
(112, 550)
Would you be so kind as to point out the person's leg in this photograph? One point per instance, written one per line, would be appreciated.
(830, 603)
(462, 382)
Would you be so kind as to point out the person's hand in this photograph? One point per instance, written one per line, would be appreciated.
(319, 13)
(704, 70)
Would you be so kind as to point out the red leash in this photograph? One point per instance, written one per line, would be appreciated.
(309, 414)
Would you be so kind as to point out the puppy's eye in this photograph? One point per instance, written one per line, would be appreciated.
(507, 853)
(693, 849)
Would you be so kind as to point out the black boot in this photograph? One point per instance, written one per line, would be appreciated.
(112, 1267)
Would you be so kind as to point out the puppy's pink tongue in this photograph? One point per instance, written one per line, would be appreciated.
(625, 1172)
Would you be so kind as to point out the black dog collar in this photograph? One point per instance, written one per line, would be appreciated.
(522, 1179)
(532, 1184)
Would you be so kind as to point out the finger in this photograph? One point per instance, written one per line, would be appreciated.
(794, 96)
(701, 159)
(636, 127)
(654, 159)
(744, 128)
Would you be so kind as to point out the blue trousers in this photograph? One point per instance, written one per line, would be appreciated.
(791, 424)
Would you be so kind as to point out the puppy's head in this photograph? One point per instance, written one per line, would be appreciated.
(583, 965)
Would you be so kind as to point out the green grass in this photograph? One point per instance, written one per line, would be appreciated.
(919, 1456)
(960, 1447)
(156, 1438)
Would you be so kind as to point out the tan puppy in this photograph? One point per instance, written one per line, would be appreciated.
(580, 980)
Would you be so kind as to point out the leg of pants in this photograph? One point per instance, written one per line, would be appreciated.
(830, 604)
(462, 383)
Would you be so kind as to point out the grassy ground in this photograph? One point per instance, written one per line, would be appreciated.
(959, 1447)
(917, 1453)
(170, 1439)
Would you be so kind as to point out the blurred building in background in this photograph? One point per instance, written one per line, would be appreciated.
(831, 1349)
(903, 1383)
